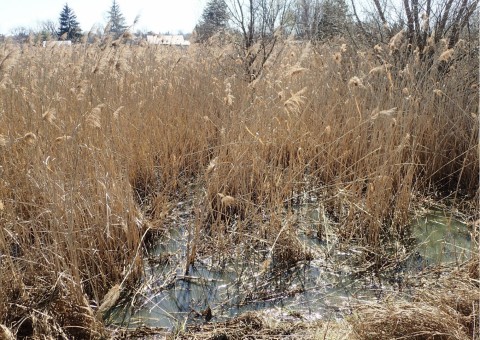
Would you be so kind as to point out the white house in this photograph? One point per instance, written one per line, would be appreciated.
(176, 40)
(57, 43)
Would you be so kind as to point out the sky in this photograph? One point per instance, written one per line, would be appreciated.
(159, 16)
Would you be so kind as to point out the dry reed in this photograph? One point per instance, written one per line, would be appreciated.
(85, 207)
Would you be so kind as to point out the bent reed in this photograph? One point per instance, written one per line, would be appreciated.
(98, 140)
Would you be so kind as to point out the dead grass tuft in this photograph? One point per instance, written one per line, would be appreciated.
(446, 309)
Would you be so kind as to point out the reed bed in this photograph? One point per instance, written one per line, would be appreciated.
(99, 140)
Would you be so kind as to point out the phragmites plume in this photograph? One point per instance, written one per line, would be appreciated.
(49, 116)
(337, 57)
(305, 53)
(295, 70)
(405, 142)
(430, 44)
(385, 113)
(5, 332)
(109, 300)
(3, 140)
(447, 55)
(62, 139)
(107, 28)
(228, 95)
(93, 117)
(425, 22)
(292, 105)
(461, 44)
(81, 89)
(9, 60)
(212, 165)
(406, 72)
(127, 35)
(5, 81)
(396, 41)
(30, 138)
(226, 200)
(355, 83)
(117, 112)
(377, 48)
(444, 44)
(380, 69)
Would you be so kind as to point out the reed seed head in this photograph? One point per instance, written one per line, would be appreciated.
(49, 116)
(62, 139)
(30, 138)
(226, 200)
(295, 70)
(380, 69)
(356, 82)
(377, 48)
(385, 113)
(425, 22)
(3, 140)
(117, 112)
(109, 300)
(447, 55)
(337, 57)
(93, 118)
(212, 165)
(396, 41)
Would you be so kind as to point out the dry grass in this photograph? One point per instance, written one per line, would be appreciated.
(445, 309)
(250, 325)
(97, 140)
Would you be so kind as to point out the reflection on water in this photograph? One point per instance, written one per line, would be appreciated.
(322, 288)
(441, 239)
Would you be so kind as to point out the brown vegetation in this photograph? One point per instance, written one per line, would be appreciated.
(97, 140)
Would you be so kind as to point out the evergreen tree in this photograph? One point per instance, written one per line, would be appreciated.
(214, 19)
(333, 19)
(116, 20)
(68, 24)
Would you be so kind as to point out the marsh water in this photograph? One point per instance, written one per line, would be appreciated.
(323, 287)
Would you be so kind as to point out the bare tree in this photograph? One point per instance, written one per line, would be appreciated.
(48, 29)
(259, 23)
(20, 33)
(426, 21)
(307, 14)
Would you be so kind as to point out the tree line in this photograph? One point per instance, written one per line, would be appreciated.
(261, 22)
(416, 25)
(68, 28)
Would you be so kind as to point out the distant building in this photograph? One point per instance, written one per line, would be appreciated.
(57, 43)
(176, 40)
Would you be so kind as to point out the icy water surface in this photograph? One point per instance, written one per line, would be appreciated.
(322, 288)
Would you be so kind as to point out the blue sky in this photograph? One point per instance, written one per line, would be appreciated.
(155, 15)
